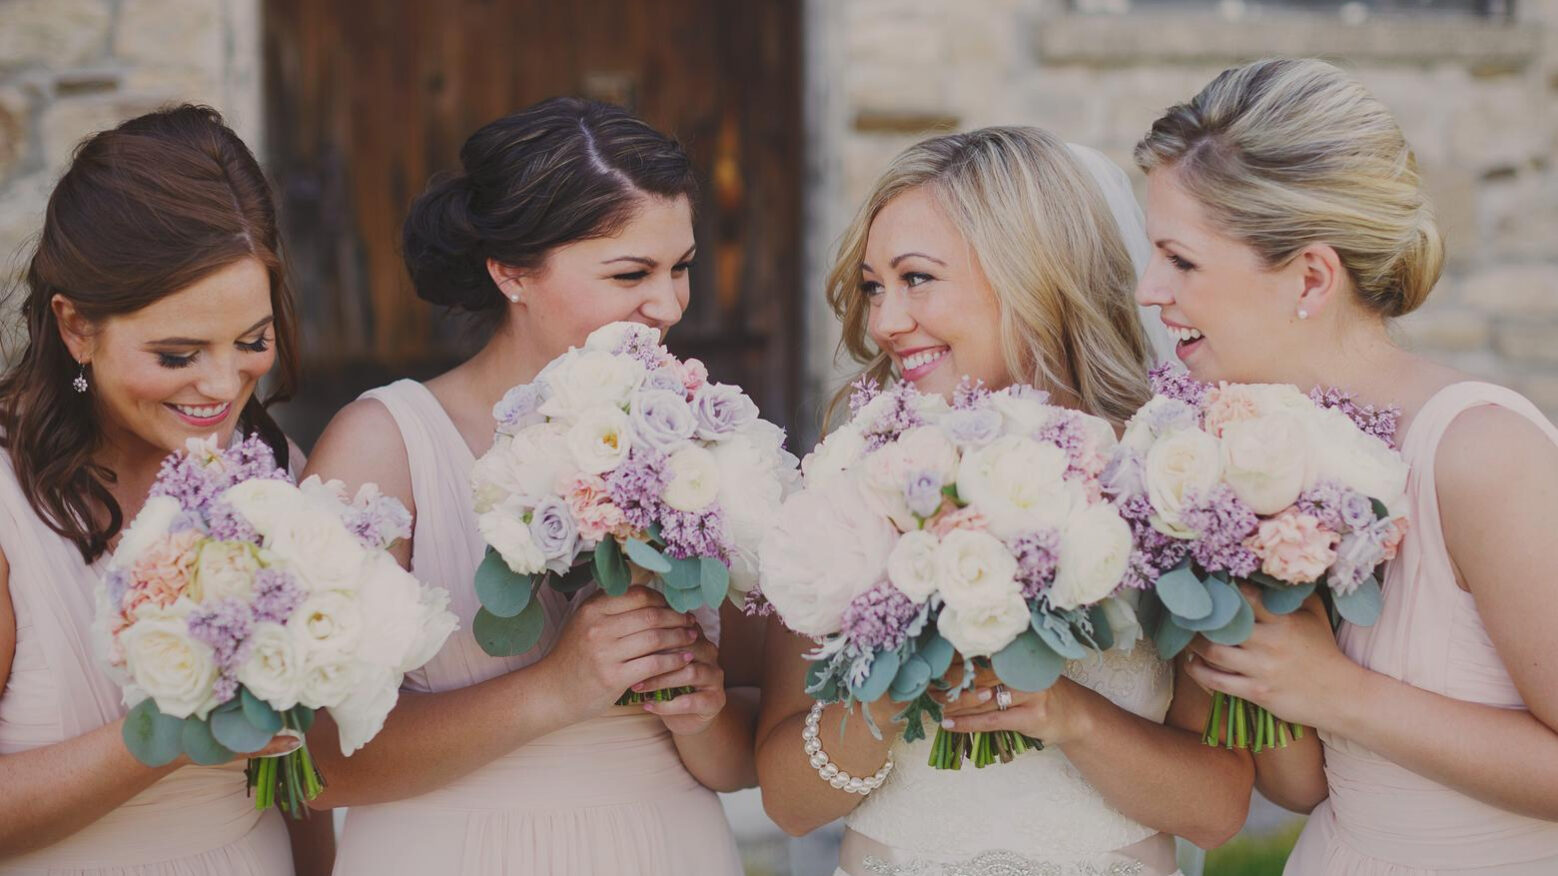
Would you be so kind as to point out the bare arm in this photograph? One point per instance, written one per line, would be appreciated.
(313, 844)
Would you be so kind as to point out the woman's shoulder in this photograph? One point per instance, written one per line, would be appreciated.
(362, 443)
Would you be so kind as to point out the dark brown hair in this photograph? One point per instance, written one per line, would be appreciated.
(562, 170)
(144, 210)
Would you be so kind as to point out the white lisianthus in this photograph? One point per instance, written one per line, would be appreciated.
(1095, 550)
(912, 565)
(264, 502)
(1178, 467)
(274, 670)
(329, 621)
(1348, 455)
(752, 484)
(1266, 460)
(1014, 482)
(610, 337)
(982, 631)
(170, 665)
(360, 715)
(329, 678)
(975, 571)
(695, 479)
(225, 570)
(149, 526)
(847, 545)
(318, 548)
(583, 380)
(838, 452)
(510, 537)
(600, 440)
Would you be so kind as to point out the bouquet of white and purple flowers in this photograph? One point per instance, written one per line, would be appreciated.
(238, 602)
(620, 462)
(929, 531)
(1258, 484)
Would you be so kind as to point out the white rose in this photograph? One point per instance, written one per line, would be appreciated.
(752, 486)
(1120, 612)
(695, 479)
(264, 502)
(888, 468)
(319, 549)
(837, 453)
(1178, 467)
(391, 609)
(983, 631)
(1348, 455)
(1095, 549)
(1158, 417)
(149, 527)
(529, 465)
(437, 624)
(912, 565)
(610, 337)
(1014, 482)
(329, 678)
(274, 670)
(975, 571)
(225, 570)
(360, 715)
(586, 379)
(170, 666)
(600, 440)
(825, 547)
(510, 537)
(1270, 398)
(1023, 412)
(322, 494)
(328, 621)
(1266, 460)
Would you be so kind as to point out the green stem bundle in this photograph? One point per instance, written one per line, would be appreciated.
(949, 749)
(664, 695)
(1237, 723)
(288, 781)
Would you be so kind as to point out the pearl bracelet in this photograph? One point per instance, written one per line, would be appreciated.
(828, 770)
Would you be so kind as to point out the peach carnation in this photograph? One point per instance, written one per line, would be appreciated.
(1294, 547)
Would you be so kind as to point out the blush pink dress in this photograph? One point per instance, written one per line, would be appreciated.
(1382, 819)
(607, 796)
(194, 821)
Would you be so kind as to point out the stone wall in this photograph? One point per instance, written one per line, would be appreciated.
(72, 67)
(1478, 101)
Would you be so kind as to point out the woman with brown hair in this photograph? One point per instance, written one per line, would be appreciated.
(156, 300)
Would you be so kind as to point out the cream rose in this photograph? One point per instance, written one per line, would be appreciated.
(328, 621)
(837, 453)
(695, 479)
(510, 537)
(1266, 460)
(752, 480)
(225, 570)
(530, 465)
(974, 570)
(1346, 454)
(912, 565)
(328, 679)
(1160, 416)
(1230, 403)
(983, 631)
(587, 379)
(318, 548)
(274, 670)
(1095, 549)
(1178, 467)
(600, 440)
(264, 502)
(149, 526)
(923, 449)
(1015, 482)
(1024, 413)
(360, 715)
(170, 666)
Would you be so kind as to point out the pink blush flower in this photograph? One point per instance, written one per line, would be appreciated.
(1228, 404)
(694, 376)
(590, 501)
(1398, 531)
(164, 571)
(963, 518)
(1294, 547)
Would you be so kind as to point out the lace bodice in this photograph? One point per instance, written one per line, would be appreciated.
(1038, 805)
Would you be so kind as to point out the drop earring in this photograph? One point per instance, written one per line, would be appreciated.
(80, 383)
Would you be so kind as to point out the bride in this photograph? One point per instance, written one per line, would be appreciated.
(994, 254)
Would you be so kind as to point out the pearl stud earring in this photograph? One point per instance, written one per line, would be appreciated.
(1303, 314)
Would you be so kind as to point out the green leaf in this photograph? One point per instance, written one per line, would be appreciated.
(1103, 633)
(1170, 637)
(233, 730)
(611, 570)
(1237, 629)
(1285, 599)
(1226, 600)
(1362, 606)
(1183, 593)
(685, 574)
(716, 580)
(1380, 511)
(1057, 635)
(1027, 664)
(501, 591)
(683, 600)
(574, 580)
(820, 684)
(509, 636)
(646, 557)
(936, 652)
(300, 718)
(154, 738)
(883, 669)
(1266, 580)
(912, 680)
(202, 747)
(259, 712)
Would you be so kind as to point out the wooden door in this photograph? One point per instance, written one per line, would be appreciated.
(366, 99)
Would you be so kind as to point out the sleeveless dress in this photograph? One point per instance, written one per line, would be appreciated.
(608, 795)
(197, 819)
(1382, 819)
(1034, 815)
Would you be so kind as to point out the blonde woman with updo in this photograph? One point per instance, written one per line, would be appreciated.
(1289, 228)
(1004, 255)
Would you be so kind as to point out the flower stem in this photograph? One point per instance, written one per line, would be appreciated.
(664, 695)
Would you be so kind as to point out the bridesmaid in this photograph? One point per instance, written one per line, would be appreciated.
(1290, 227)
(156, 301)
(565, 216)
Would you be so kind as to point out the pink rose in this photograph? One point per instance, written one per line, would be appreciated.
(1228, 403)
(1398, 531)
(962, 518)
(163, 572)
(694, 376)
(1294, 547)
(591, 506)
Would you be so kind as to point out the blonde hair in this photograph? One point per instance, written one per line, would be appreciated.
(1285, 153)
(1043, 234)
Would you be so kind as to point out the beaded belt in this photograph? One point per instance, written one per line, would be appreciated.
(862, 856)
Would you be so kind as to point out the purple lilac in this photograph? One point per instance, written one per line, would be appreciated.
(276, 596)
(694, 533)
(195, 485)
(118, 582)
(636, 486)
(878, 619)
(224, 626)
(923, 493)
(1222, 522)
(1358, 554)
(1171, 381)
(1155, 553)
(226, 524)
(378, 521)
(862, 393)
(1379, 422)
(756, 605)
(899, 417)
(1065, 431)
(1037, 555)
(641, 346)
(970, 395)
(518, 404)
(1337, 507)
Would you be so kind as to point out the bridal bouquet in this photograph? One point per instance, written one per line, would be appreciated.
(237, 603)
(928, 531)
(621, 462)
(1255, 483)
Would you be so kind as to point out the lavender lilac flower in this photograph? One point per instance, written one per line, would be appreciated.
(1155, 553)
(898, 417)
(878, 619)
(1379, 422)
(224, 626)
(694, 533)
(1037, 556)
(1169, 380)
(636, 486)
(276, 596)
(1222, 523)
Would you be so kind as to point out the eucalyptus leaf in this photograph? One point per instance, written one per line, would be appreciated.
(1226, 600)
(912, 680)
(683, 600)
(1170, 637)
(611, 570)
(821, 684)
(1027, 663)
(154, 738)
(259, 712)
(1102, 635)
(1285, 600)
(937, 654)
(501, 591)
(1268, 581)
(1056, 633)
(1362, 606)
(509, 636)
(1380, 511)
(300, 718)
(883, 668)
(1183, 593)
(575, 579)
(646, 557)
(716, 580)
(1237, 629)
(234, 730)
(202, 747)
(685, 574)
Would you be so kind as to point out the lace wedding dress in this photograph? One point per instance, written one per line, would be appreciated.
(1034, 816)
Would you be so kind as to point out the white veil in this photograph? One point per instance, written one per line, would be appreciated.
(1116, 188)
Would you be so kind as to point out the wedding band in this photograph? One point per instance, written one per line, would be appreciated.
(1003, 698)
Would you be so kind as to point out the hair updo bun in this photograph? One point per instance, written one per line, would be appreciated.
(441, 248)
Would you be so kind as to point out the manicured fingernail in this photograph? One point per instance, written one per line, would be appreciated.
(946, 724)
(649, 707)
(984, 695)
(686, 656)
(638, 687)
